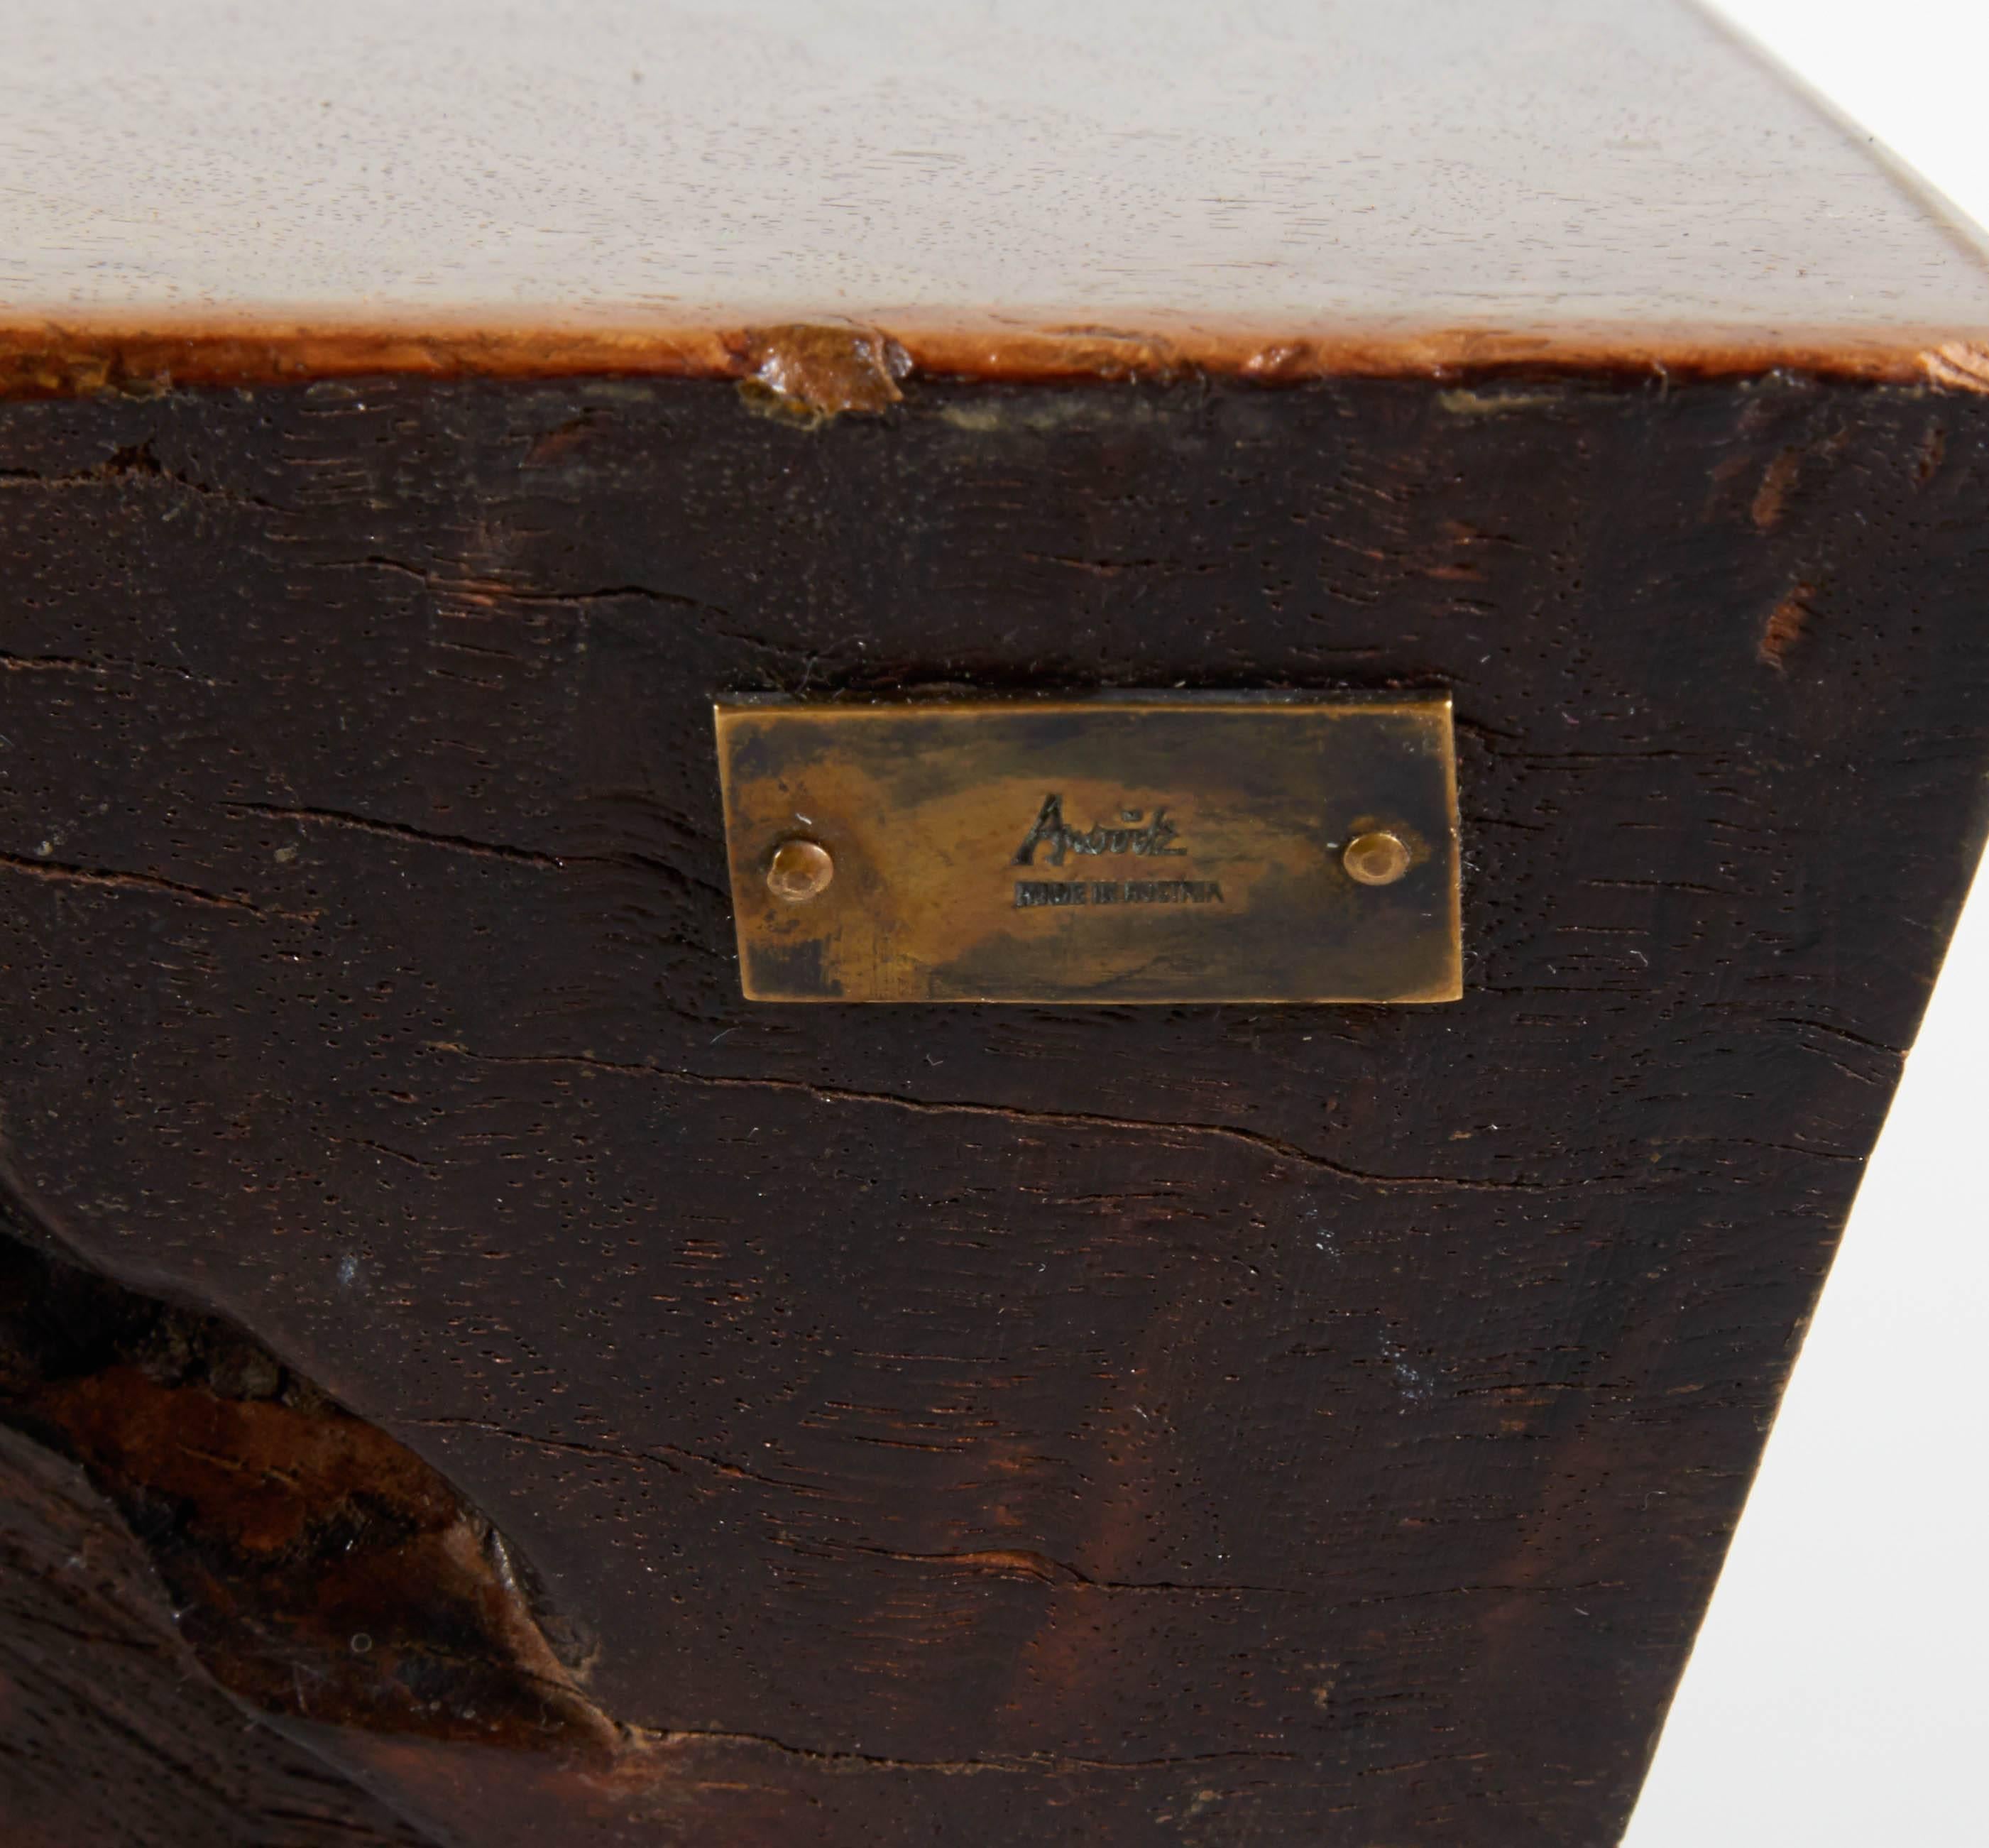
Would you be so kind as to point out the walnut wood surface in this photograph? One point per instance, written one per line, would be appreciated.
(834, 1427)
(1024, 189)
(977, 1426)
(113, 1736)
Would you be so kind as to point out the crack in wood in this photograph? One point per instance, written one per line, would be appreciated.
(1025, 1563)
(1054, 1762)
(1273, 1146)
(669, 1456)
(60, 872)
(498, 590)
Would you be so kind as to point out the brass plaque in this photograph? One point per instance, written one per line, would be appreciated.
(1109, 849)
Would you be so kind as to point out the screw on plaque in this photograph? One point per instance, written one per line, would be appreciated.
(1376, 858)
(800, 870)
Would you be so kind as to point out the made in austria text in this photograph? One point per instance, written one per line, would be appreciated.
(1031, 892)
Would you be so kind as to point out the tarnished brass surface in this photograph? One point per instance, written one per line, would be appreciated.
(1191, 848)
(1378, 859)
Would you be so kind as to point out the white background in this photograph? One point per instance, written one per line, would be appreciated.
(1838, 1697)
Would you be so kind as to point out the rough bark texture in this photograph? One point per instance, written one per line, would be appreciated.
(981, 1426)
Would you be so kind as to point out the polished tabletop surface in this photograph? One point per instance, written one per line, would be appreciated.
(1266, 185)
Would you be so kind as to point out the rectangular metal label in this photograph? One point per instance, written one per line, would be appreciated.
(1108, 850)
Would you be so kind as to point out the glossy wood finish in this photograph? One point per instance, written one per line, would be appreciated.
(1027, 189)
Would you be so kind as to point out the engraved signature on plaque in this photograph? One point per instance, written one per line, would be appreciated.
(1050, 832)
(1056, 837)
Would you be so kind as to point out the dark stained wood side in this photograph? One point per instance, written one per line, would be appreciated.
(317, 1567)
(984, 1426)
(110, 1734)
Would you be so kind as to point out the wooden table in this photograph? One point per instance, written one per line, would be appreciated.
(470, 1376)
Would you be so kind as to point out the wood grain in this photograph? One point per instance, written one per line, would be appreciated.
(1022, 190)
(113, 1734)
(831, 1426)
(318, 1568)
(1098, 1427)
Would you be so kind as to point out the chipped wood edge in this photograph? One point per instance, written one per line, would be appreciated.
(825, 367)
(1960, 365)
